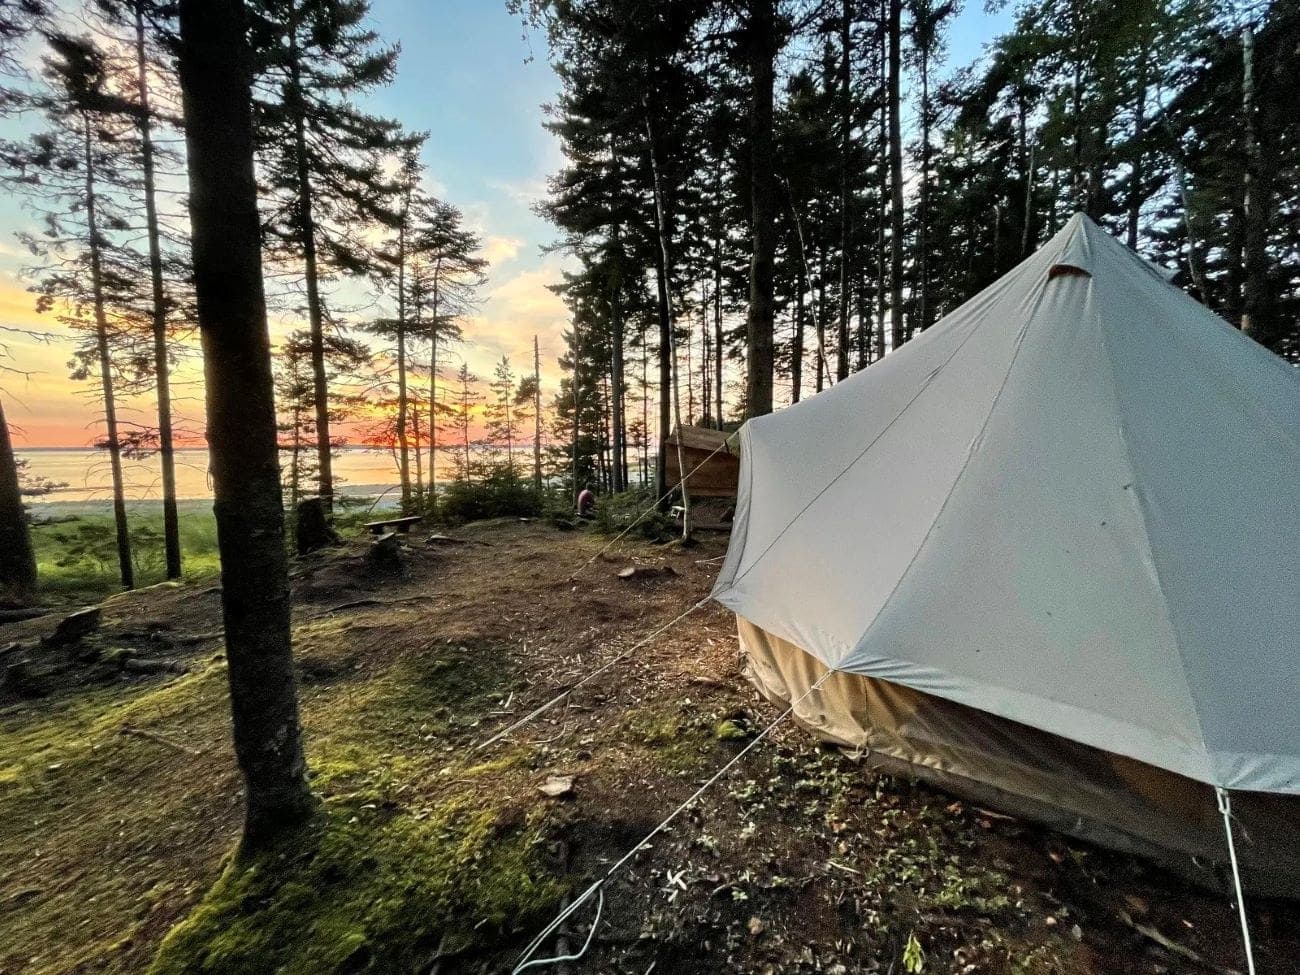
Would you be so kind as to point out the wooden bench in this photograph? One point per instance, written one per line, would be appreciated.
(402, 525)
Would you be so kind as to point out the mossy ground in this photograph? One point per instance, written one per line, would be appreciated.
(120, 804)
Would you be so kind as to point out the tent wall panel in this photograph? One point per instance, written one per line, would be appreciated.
(1085, 792)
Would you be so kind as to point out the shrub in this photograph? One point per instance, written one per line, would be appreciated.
(615, 512)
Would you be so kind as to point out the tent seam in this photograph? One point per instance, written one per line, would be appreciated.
(1144, 520)
(970, 453)
(854, 462)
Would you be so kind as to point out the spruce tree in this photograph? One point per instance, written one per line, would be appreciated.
(321, 156)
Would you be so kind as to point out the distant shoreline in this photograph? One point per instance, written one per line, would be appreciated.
(47, 506)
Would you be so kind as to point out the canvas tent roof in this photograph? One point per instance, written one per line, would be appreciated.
(1073, 503)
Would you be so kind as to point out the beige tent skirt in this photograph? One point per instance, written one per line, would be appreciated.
(1076, 789)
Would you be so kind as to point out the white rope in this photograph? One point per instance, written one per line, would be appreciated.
(525, 958)
(655, 504)
(1225, 809)
(543, 708)
(536, 943)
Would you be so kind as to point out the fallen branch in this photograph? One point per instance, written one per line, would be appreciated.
(188, 638)
(1173, 946)
(155, 737)
(368, 601)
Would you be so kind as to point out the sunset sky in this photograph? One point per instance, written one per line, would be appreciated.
(471, 76)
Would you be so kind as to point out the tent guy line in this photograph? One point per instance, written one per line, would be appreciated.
(525, 959)
(1225, 808)
(543, 708)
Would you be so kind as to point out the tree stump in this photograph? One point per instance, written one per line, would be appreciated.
(385, 553)
(74, 628)
(312, 530)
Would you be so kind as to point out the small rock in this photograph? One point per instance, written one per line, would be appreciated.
(756, 926)
(557, 786)
(1076, 932)
(634, 572)
(436, 539)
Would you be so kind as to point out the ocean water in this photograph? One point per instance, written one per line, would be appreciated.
(358, 470)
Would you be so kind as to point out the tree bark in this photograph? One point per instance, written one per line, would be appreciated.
(125, 566)
(923, 197)
(311, 272)
(1255, 310)
(895, 174)
(537, 418)
(664, 311)
(17, 559)
(661, 224)
(759, 325)
(215, 72)
(717, 302)
(403, 441)
(433, 390)
(846, 131)
(616, 367)
(161, 365)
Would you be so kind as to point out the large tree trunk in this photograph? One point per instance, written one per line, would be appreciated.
(882, 170)
(846, 130)
(619, 422)
(161, 366)
(666, 336)
(762, 46)
(796, 352)
(821, 317)
(403, 441)
(215, 70)
(114, 443)
(311, 272)
(1256, 211)
(433, 390)
(17, 559)
(923, 199)
(537, 420)
(664, 311)
(895, 174)
(717, 305)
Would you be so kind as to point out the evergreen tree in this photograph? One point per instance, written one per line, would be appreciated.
(321, 156)
(215, 84)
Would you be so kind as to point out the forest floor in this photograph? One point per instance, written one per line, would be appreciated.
(120, 803)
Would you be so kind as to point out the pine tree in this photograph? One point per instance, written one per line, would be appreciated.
(89, 277)
(215, 85)
(322, 157)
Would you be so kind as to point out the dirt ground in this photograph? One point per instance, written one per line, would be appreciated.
(120, 804)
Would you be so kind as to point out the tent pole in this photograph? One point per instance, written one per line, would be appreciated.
(1225, 809)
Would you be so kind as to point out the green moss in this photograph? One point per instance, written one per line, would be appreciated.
(732, 730)
(355, 892)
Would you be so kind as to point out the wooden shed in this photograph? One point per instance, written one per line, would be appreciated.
(720, 474)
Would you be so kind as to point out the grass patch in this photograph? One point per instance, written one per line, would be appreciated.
(76, 560)
(356, 891)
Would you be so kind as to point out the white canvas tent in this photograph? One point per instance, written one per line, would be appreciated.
(1051, 549)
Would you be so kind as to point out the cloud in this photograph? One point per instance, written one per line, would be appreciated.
(501, 250)
(520, 307)
(524, 192)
